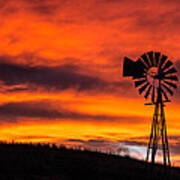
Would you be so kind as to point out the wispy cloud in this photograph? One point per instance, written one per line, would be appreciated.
(44, 110)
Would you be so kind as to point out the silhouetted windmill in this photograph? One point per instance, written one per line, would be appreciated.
(154, 77)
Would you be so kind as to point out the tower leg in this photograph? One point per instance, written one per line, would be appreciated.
(158, 131)
(149, 144)
(153, 136)
(165, 146)
(155, 140)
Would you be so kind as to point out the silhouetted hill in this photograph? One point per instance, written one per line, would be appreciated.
(42, 162)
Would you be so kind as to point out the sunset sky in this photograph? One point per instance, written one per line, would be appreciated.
(61, 72)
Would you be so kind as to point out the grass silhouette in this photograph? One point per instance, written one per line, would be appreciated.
(45, 162)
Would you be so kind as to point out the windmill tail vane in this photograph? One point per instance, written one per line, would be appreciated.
(155, 77)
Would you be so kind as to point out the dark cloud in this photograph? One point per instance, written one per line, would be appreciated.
(149, 19)
(100, 144)
(12, 111)
(175, 148)
(174, 137)
(174, 143)
(177, 66)
(115, 134)
(8, 7)
(97, 141)
(91, 142)
(44, 9)
(67, 76)
(125, 147)
(17, 90)
(30, 109)
(177, 91)
(111, 1)
(40, 7)
(140, 141)
(133, 143)
(34, 137)
(60, 77)
(75, 140)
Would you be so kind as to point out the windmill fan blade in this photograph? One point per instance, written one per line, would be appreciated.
(157, 56)
(148, 92)
(143, 88)
(138, 83)
(151, 58)
(174, 78)
(144, 57)
(171, 84)
(168, 89)
(170, 71)
(167, 65)
(165, 95)
(163, 59)
(153, 95)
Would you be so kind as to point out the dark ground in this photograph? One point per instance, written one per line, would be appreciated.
(41, 162)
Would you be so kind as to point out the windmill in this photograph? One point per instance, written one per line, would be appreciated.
(155, 77)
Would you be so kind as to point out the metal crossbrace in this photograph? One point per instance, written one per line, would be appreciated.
(158, 131)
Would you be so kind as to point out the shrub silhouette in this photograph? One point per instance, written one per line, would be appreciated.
(44, 161)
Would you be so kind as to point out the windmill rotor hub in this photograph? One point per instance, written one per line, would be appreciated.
(153, 71)
(152, 76)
